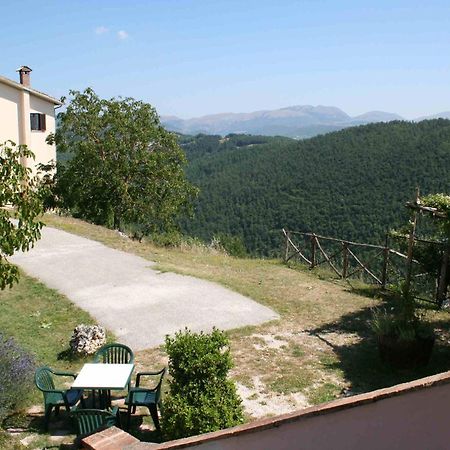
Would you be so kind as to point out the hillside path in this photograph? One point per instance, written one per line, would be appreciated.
(123, 293)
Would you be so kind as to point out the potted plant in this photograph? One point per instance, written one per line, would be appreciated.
(405, 338)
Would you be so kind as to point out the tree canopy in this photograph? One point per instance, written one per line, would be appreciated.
(21, 191)
(123, 167)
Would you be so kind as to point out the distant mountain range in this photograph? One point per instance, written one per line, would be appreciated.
(442, 115)
(293, 121)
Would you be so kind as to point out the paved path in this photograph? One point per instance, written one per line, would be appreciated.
(123, 293)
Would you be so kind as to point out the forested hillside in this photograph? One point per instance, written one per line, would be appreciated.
(205, 145)
(351, 183)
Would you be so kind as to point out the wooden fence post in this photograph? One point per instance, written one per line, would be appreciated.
(442, 284)
(409, 259)
(344, 260)
(385, 262)
(313, 251)
(286, 250)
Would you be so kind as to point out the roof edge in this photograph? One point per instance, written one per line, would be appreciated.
(323, 409)
(32, 91)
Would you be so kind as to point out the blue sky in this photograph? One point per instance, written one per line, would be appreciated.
(196, 57)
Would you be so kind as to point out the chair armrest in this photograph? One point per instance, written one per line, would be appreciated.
(138, 389)
(65, 374)
(141, 374)
(152, 373)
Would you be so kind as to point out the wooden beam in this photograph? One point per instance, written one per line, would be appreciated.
(328, 259)
(365, 268)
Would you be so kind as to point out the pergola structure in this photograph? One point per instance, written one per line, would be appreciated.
(443, 280)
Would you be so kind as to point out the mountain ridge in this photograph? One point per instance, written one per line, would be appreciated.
(296, 121)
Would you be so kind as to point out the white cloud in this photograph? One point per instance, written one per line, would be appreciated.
(122, 34)
(101, 30)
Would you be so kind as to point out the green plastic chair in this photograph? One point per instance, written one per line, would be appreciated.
(144, 396)
(55, 398)
(90, 421)
(114, 354)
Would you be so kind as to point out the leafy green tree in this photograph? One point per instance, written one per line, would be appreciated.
(124, 168)
(21, 191)
(201, 397)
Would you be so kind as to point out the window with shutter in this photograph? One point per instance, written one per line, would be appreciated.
(37, 122)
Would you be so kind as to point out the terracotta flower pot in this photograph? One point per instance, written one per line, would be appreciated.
(401, 354)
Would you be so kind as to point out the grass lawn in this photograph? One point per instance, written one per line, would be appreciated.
(41, 321)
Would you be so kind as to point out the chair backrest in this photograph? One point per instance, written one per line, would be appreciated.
(43, 379)
(114, 354)
(91, 420)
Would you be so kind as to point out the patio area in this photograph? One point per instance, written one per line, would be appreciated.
(107, 392)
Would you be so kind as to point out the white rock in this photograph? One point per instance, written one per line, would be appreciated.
(87, 339)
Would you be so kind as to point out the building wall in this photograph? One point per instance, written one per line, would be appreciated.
(413, 415)
(9, 113)
(415, 421)
(16, 104)
(43, 152)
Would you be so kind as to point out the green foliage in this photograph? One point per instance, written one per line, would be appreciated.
(201, 397)
(124, 167)
(439, 201)
(442, 203)
(350, 184)
(21, 191)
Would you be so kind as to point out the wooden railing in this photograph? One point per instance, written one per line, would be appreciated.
(376, 264)
(343, 260)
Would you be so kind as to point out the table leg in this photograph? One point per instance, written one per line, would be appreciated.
(105, 398)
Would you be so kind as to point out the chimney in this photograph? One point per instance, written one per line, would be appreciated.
(24, 73)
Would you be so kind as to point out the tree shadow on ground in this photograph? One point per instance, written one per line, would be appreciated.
(141, 431)
(359, 361)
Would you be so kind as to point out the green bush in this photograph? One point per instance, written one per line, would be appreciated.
(201, 397)
(233, 245)
(174, 239)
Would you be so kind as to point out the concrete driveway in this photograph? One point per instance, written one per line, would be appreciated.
(123, 293)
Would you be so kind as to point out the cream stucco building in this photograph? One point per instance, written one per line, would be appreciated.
(27, 117)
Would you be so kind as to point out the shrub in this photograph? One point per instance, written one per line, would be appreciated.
(170, 239)
(16, 376)
(201, 397)
(232, 245)
(402, 322)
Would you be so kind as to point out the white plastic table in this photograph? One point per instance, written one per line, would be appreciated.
(103, 377)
